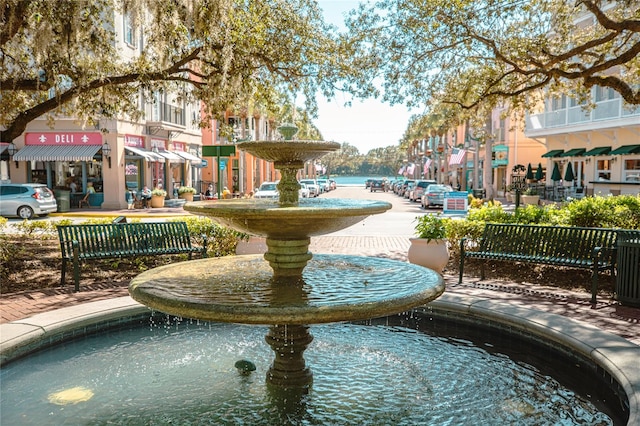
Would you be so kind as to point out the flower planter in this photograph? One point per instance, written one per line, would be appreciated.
(157, 201)
(432, 254)
(186, 196)
(530, 199)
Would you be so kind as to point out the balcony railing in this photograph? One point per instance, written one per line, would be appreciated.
(604, 110)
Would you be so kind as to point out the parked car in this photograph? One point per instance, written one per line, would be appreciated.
(303, 192)
(333, 184)
(314, 189)
(26, 200)
(434, 195)
(267, 190)
(367, 183)
(418, 189)
(408, 188)
(377, 185)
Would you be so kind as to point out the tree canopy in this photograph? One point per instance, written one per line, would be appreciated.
(469, 52)
(63, 57)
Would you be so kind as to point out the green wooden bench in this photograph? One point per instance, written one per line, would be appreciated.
(574, 247)
(120, 240)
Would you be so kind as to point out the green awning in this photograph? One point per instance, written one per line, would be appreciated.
(553, 153)
(602, 150)
(626, 149)
(575, 152)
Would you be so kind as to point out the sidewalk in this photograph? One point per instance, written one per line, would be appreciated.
(607, 315)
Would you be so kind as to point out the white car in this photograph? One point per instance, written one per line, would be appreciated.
(26, 200)
(324, 184)
(303, 192)
(268, 190)
(314, 189)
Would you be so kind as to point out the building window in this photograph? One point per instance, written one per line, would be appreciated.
(604, 94)
(631, 171)
(129, 31)
(603, 170)
(558, 103)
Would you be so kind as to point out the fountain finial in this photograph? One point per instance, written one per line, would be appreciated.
(287, 130)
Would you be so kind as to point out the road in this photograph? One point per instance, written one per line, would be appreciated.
(398, 221)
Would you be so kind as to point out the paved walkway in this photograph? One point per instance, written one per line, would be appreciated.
(607, 315)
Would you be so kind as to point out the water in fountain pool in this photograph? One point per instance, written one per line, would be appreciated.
(182, 372)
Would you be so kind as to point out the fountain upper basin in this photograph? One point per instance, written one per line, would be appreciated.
(268, 218)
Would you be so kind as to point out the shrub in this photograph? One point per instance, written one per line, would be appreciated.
(458, 229)
(159, 192)
(222, 241)
(186, 190)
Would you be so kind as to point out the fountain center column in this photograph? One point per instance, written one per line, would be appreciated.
(289, 368)
(288, 186)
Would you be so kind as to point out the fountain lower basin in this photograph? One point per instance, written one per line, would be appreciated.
(242, 289)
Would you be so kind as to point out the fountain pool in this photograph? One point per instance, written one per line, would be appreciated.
(393, 370)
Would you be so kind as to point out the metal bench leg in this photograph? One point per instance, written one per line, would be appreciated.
(76, 267)
(482, 271)
(64, 272)
(461, 260)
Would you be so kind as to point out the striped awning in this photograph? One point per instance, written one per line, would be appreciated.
(144, 153)
(553, 153)
(57, 153)
(188, 156)
(171, 156)
(601, 150)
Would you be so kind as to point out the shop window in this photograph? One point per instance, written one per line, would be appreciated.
(132, 174)
(603, 170)
(631, 171)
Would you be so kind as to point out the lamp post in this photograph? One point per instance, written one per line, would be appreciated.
(12, 150)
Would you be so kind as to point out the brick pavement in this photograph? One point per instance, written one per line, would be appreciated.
(607, 315)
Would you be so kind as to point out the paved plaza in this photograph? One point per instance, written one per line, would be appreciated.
(386, 235)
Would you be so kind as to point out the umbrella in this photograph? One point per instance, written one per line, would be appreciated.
(539, 174)
(529, 175)
(568, 174)
(555, 176)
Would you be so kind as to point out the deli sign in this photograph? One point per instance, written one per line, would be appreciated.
(63, 138)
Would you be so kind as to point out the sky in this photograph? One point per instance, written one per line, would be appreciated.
(365, 124)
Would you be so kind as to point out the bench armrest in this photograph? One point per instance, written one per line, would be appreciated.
(205, 243)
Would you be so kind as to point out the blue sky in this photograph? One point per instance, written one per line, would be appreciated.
(366, 124)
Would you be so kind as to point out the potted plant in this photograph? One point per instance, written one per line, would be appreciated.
(429, 247)
(186, 192)
(157, 197)
(530, 196)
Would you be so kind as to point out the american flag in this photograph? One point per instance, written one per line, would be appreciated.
(410, 168)
(425, 169)
(457, 155)
(401, 171)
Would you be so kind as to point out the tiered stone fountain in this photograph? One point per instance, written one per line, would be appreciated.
(293, 288)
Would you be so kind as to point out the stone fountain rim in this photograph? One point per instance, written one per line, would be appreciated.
(255, 208)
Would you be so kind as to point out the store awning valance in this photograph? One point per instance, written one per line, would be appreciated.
(189, 156)
(553, 153)
(144, 153)
(172, 157)
(57, 153)
(602, 150)
(575, 152)
(626, 149)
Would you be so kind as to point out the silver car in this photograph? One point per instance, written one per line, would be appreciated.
(268, 190)
(26, 200)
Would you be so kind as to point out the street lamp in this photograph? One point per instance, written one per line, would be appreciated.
(106, 152)
(11, 149)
